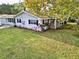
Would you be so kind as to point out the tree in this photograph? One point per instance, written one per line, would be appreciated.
(11, 9)
(58, 8)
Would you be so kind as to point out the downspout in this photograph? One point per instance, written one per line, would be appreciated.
(55, 24)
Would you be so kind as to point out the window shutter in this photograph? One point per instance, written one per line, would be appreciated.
(14, 21)
(20, 20)
(29, 21)
(37, 22)
(43, 21)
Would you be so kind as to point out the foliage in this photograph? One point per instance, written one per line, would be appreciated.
(11, 9)
(58, 8)
(71, 19)
(71, 26)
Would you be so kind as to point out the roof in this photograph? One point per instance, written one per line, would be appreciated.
(45, 18)
(4, 16)
(7, 16)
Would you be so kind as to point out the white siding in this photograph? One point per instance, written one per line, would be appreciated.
(25, 18)
(3, 21)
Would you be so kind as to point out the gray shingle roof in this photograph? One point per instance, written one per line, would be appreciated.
(7, 16)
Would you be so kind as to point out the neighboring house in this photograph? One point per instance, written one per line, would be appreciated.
(7, 19)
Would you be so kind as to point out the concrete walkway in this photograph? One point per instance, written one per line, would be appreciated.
(5, 26)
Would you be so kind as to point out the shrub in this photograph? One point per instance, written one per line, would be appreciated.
(72, 20)
(78, 22)
(72, 27)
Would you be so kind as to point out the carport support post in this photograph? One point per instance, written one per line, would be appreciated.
(55, 24)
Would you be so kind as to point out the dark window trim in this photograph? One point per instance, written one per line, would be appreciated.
(19, 21)
(30, 22)
(11, 20)
(43, 21)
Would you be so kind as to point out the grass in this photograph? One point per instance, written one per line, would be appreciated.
(16, 43)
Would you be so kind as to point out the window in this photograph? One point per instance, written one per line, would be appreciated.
(11, 20)
(18, 20)
(33, 22)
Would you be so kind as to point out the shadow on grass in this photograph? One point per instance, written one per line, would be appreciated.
(65, 36)
(76, 35)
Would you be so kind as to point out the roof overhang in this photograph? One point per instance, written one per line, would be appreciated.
(5, 16)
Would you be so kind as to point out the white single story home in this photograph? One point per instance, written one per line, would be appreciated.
(25, 19)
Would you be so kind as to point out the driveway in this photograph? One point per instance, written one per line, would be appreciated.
(5, 26)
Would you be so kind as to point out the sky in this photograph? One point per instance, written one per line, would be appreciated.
(9, 1)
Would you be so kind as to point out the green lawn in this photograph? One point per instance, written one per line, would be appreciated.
(16, 43)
